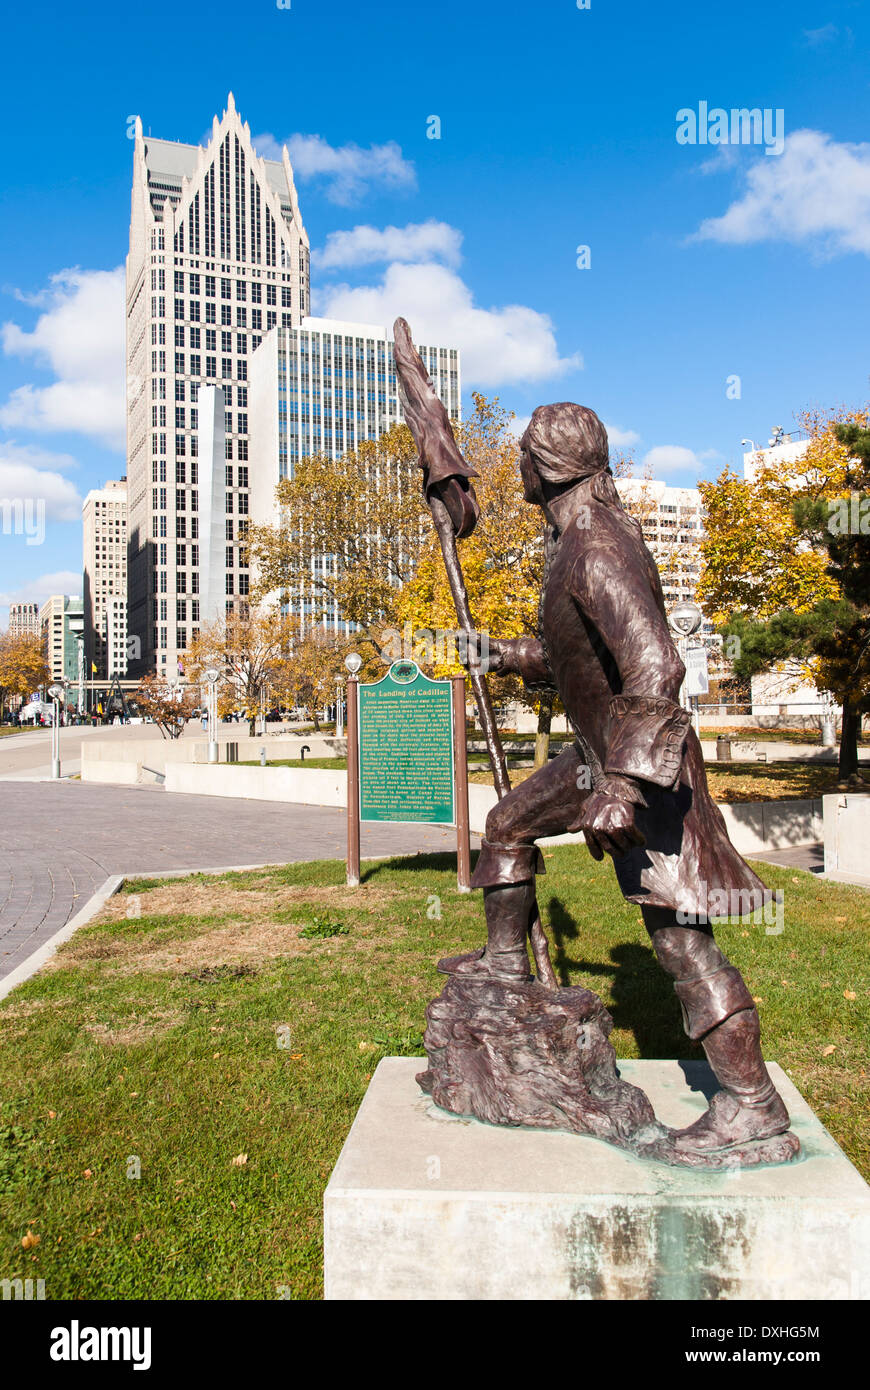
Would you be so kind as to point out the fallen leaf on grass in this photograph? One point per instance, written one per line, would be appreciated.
(849, 994)
(240, 1160)
(52, 1114)
(826, 1051)
(87, 1173)
(30, 1240)
(841, 919)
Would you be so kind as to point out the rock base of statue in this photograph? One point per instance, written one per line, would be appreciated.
(519, 1054)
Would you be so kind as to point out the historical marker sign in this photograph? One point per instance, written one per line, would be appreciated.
(406, 748)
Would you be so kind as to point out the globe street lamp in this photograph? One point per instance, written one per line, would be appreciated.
(685, 619)
(212, 677)
(56, 692)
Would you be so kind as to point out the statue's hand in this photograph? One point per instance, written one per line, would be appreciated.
(608, 825)
(477, 651)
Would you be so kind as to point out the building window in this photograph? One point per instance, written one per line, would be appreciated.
(229, 473)
(229, 584)
(229, 502)
(243, 477)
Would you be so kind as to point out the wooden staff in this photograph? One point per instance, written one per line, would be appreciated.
(451, 500)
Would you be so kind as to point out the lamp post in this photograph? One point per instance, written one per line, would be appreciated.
(685, 619)
(56, 693)
(212, 677)
(353, 661)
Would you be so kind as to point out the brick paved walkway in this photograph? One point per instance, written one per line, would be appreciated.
(60, 841)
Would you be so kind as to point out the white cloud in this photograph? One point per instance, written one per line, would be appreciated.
(418, 241)
(80, 338)
(817, 191)
(499, 346)
(349, 170)
(621, 439)
(828, 33)
(671, 458)
(56, 496)
(38, 590)
(33, 457)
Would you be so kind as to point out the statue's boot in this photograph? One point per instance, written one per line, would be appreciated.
(507, 876)
(718, 1011)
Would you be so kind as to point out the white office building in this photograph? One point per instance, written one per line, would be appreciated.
(24, 620)
(104, 578)
(324, 388)
(218, 257)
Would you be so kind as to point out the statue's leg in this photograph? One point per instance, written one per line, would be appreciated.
(542, 805)
(718, 1012)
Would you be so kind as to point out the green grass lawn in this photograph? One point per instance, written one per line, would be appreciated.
(224, 1033)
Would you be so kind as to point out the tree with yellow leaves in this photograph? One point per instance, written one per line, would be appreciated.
(23, 668)
(774, 577)
(249, 649)
(349, 535)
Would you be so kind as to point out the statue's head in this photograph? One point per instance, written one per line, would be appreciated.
(562, 444)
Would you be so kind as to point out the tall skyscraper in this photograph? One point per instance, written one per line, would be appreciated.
(104, 579)
(218, 256)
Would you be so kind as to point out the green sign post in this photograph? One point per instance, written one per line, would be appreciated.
(404, 734)
(406, 748)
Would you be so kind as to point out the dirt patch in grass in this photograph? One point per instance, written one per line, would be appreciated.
(142, 1030)
(203, 898)
(265, 925)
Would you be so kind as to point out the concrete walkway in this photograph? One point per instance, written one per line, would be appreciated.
(60, 841)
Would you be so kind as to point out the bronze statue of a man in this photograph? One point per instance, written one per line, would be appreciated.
(633, 781)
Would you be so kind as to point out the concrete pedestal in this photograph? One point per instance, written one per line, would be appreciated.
(425, 1205)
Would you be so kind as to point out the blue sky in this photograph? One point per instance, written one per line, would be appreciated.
(558, 130)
